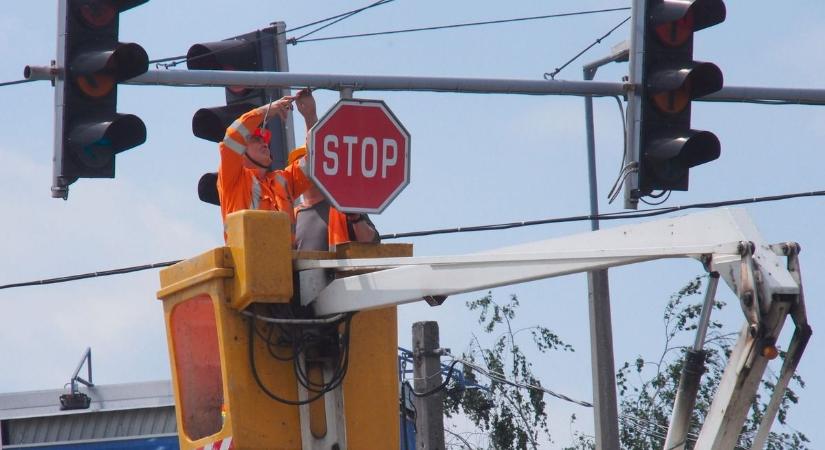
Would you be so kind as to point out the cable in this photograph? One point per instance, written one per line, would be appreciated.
(461, 438)
(642, 213)
(458, 25)
(327, 320)
(180, 59)
(339, 18)
(628, 168)
(665, 194)
(335, 381)
(500, 378)
(607, 216)
(440, 386)
(9, 83)
(597, 41)
(253, 367)
(91, 275)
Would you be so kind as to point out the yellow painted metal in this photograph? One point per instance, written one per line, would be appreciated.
(216, 394)
(317, 409)
(371, 386)
(261, 246)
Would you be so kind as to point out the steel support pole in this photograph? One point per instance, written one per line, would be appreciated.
(634, 118)
(429, 418)
(690, 380)
(605, 404)
(222, 78)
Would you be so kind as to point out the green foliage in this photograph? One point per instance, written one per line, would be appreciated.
(511, 417)
(514, 418)
(646, 400)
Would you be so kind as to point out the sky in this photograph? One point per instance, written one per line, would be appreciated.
(477, 159)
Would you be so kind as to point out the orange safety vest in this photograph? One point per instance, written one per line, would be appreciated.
(337, 229)
(241, 188)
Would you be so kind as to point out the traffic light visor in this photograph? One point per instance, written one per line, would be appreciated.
(211, 123)
(672, 88)
(94, 143)
(687, 150)
(234, 54)
(695, 15)
(123, 62)
(101, 13)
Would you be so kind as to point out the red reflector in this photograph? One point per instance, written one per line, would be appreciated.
(770, 352)
(676, 33)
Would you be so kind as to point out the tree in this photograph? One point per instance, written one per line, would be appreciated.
(511, 408)
(647, 388)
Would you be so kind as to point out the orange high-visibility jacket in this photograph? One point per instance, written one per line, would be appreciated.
(241, 188)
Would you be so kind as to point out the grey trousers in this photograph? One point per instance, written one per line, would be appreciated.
(311, 228)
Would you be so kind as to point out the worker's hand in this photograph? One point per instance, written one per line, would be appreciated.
(280, 107)
(305, 103)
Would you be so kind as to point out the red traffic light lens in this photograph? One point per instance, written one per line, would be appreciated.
(237, 90)
(98, 13)
(677, 32)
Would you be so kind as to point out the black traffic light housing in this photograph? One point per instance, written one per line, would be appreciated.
(89, 131)
(670, 80)
(255, 51)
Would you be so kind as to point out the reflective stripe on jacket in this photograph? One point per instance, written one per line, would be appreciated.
(241, 188)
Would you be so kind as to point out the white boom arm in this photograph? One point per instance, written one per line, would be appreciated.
(725, 241)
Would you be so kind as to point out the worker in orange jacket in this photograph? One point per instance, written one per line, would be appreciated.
(244, 178)
(319, 225)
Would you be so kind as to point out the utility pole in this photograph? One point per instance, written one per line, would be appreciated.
(605, 404)
(429, 418)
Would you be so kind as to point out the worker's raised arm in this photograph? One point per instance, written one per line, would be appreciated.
(234, 144)
(297, 175)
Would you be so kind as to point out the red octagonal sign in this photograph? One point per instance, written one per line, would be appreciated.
(359, 155)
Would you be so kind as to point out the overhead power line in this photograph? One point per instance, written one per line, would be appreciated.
(102, 273)
(553, 74)
(492, 227)
(457, 25)
(9, 83)
(336, 18)
(606, 216)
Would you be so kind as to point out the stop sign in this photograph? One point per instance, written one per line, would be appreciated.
(359, 155)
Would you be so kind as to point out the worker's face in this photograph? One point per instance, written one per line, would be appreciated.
(259, 151)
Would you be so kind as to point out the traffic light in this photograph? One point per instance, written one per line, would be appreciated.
(670, 80)
(262, 50)
(256, 51)
(89, 131)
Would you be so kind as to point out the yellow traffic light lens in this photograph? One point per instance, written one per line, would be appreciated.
(673, 102)
(676, 33)
(95, 85)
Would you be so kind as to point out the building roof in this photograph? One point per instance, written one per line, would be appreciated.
(117, 412)
(113, 397)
